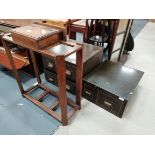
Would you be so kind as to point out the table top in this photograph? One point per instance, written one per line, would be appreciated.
(57, 49)
(89, 51)
(80, 22)
(63, 21)
(18, 22)
(34, 31)
(58, 23)
(115, 78)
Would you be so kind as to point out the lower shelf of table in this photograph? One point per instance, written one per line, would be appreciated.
(50, 110)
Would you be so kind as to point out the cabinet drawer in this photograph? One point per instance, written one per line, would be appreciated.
(70, 68)
(71, 71)
(52, 78)
(110, 104)
(49, 64)
(89, 92)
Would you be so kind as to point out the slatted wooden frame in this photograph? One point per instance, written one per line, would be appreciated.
(62, 101)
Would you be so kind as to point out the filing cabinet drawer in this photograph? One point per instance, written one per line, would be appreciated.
(52, 78)
(49, 64)
(71, 87)
(89, 92)
(113, 105)
(71, 71)
(70, 68)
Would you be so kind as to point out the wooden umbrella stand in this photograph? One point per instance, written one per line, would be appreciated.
(59, 52)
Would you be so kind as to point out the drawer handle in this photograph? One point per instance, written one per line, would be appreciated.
(107, 103)
(67, 87)
(68, 72)
(50, 65)
(87, 92)
(50, 79)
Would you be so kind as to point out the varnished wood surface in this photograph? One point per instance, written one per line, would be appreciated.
(48, 51)
(61, 22)
(61, 76)
(36, 36)
(80, 26)
(34, 31)
(35, 66)
(79, 72)
(18, 22)
(20, 61)
(80, 23)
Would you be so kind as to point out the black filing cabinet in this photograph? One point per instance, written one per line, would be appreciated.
(92, 57)
(110, 86)
(107, 84)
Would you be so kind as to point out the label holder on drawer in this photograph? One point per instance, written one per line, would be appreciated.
(67, 87)
(107, 104)
(50, 65)
(68, 72)
(50, 79)
(87, 92)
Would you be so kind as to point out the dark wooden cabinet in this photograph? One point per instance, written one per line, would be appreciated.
(50, 65)
(92, 56)
(110, 86)
(52, 78)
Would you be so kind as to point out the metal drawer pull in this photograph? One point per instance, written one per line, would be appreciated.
(67, 87)
(50, 79)
(50, 65)
(107, 103)
(68, 72)
(87, 92)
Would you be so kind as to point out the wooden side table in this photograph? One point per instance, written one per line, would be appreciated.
(80, 26)
(63, 24)
(59, 52)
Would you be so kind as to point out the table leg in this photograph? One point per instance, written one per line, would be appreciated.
(72, 35)
(35, 66)
(112, 39)
(85, 35)
(12, 63)
(61, 76)
(79, 75)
